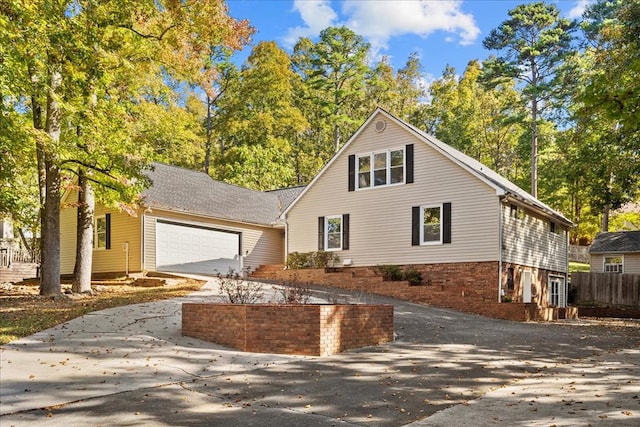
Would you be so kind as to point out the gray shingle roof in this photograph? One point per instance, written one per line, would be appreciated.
(286, 196)
(183, 190)
(616, 242)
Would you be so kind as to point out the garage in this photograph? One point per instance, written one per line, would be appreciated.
(188, 248)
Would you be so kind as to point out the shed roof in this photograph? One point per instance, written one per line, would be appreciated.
(616, 242)
(188, 191)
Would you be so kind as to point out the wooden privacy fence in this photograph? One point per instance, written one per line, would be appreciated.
(606, 289)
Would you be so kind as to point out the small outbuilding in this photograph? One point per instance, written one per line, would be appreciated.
(616, 252)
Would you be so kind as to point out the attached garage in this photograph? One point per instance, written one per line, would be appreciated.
(189, 248)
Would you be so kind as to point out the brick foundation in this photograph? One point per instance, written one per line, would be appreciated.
(305, 329)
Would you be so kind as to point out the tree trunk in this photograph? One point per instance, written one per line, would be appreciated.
(207, 148)
(534, 147)
(36, 111)
(50, 269)
(84, 236)
(605, 219)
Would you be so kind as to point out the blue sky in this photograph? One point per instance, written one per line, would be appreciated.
(441, 32)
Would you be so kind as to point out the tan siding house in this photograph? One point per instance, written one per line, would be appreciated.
(188, 223)
(395, 195)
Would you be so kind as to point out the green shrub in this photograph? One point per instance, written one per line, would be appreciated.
(318, 259)
(322, 259)
(390, 272)
(413, 276)
(297, 260)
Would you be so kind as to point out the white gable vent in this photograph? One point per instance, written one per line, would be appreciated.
(380, 125)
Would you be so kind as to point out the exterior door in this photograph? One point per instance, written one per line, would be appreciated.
(557, 291)
(526, 287)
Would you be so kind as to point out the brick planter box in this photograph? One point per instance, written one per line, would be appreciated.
(305, 329)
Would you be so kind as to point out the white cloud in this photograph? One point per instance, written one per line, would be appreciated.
(316, 14)
(380, 20)
(577, 10)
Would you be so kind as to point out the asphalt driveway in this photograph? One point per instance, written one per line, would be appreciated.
(131, 366)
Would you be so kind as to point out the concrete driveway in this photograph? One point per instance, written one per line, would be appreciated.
(131, 366)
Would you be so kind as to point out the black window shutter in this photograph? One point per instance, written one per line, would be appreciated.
(409, 158)
(345, 231)
(415, 226)
(107, 223)
(320, 233)
(352, 172)
(446, 223)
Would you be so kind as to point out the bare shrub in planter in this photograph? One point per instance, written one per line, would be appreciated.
(237, 290)
(294, 293)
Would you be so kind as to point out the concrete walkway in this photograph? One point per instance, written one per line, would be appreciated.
(131, 366)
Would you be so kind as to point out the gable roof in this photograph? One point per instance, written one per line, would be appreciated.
(616, 242)
(493, 179)
(188, 191)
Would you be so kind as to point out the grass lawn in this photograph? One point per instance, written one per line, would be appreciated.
(23, 312)
(578, 267)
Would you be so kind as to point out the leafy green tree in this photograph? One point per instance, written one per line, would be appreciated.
(334, 71)
(609, 112)
(259, 121)
(533, 45)
(484, 123)
(69, 60)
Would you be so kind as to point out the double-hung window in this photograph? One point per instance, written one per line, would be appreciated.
(431, 231)
(333, 232)
(431, 224)
(381, 168)
(102, 232)
(613, 264)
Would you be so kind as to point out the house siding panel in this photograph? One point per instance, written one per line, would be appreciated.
(68, 237)
(263, 245)
(124, 228)
(380, 218)
(631, 263)
(529, 241)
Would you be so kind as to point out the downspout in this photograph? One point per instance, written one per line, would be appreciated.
(566, 269)
(500, 235)
(286, 240)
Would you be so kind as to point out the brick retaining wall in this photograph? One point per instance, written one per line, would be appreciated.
(470, 287)
(305, 329)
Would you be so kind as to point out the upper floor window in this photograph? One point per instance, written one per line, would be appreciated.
(517, 212)
(380, 168)
(613, 264)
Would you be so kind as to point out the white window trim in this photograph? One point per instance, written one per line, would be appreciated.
(371, 157)
(326, 233)
(561, 291)
(604, 263)
(431, 242)
(95, 233)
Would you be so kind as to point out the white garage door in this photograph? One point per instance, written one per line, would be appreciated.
(185, 248)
